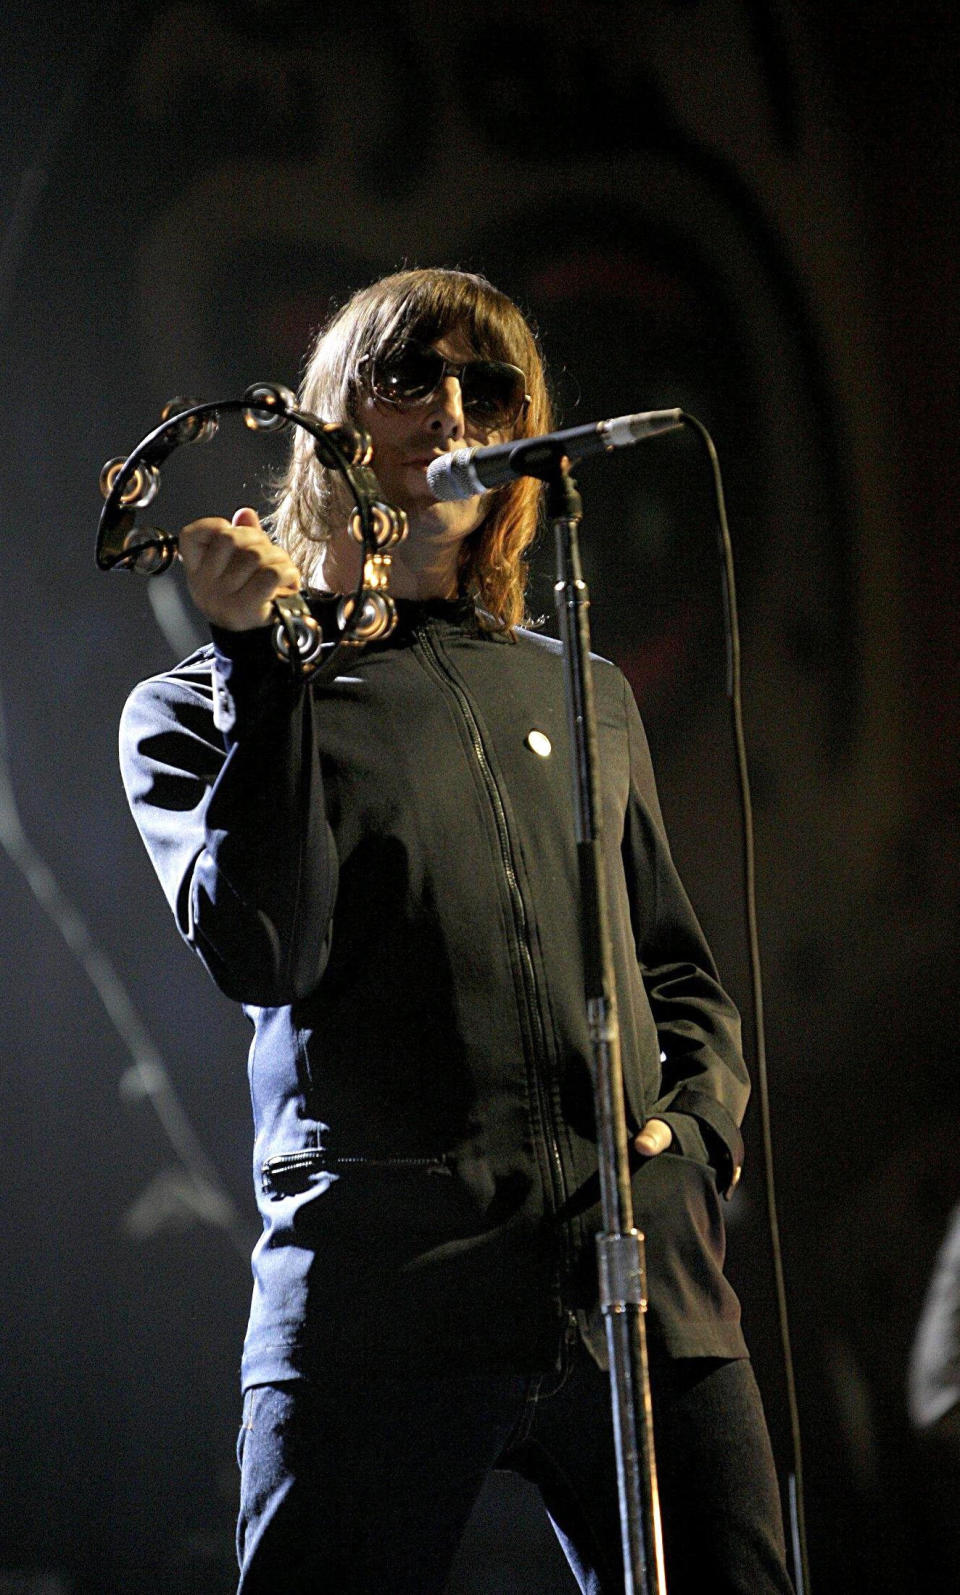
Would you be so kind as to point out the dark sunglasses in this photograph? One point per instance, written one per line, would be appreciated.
(493, 393)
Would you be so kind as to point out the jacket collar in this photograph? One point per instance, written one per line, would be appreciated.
(460, 612)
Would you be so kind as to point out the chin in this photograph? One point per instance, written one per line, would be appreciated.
(435, 520)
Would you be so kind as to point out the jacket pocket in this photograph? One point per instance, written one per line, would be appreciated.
(288, 1173)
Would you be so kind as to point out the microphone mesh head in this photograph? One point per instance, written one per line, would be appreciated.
(451, 476)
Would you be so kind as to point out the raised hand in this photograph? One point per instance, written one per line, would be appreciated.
(234, 571)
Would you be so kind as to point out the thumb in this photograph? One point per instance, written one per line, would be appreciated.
(655, 1137)
(246, 517)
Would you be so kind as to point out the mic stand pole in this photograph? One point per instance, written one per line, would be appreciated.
(620, 1253)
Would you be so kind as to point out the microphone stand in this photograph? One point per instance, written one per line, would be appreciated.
(620, 1252)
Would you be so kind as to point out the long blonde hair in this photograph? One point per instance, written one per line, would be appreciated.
(427, 305)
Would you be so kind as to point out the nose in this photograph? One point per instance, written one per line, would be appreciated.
(446, 410)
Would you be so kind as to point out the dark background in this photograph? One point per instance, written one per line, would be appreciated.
(746, 209)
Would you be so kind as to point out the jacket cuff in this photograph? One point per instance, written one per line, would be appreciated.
(723, 1139)
(244, 663)
(687, 1135)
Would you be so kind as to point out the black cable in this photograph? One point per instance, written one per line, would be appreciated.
(732, 629)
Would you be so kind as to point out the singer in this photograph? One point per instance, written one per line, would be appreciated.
(382, 870)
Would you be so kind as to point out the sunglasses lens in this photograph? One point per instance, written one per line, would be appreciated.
(493, 392)
(406, 373)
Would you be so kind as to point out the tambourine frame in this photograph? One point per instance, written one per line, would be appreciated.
(265, 407)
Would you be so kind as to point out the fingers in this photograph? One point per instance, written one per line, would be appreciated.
(653, 1138)
(234, 571)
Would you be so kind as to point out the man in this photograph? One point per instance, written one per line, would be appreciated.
(382, 869)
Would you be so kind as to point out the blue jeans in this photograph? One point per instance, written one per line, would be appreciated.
(356, 1489)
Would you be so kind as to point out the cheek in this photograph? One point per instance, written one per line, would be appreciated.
(386, 427)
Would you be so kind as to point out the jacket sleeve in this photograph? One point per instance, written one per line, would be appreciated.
(703, 1075)
(223, 777)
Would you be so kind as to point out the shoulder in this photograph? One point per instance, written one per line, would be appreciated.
(539, 642)
(610, 684)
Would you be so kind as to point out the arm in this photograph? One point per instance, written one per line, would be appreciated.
(223, 778)
(704, 1084)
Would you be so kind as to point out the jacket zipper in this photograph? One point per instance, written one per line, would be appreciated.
(520, 922)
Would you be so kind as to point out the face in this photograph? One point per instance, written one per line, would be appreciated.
(406, 437)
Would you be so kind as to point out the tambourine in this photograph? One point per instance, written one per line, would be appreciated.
(131, 484)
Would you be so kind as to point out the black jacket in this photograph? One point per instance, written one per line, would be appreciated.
(383, 871)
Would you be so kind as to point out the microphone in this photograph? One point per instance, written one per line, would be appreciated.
(468, 471)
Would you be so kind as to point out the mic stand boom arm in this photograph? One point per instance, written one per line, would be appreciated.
(620, 1252)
